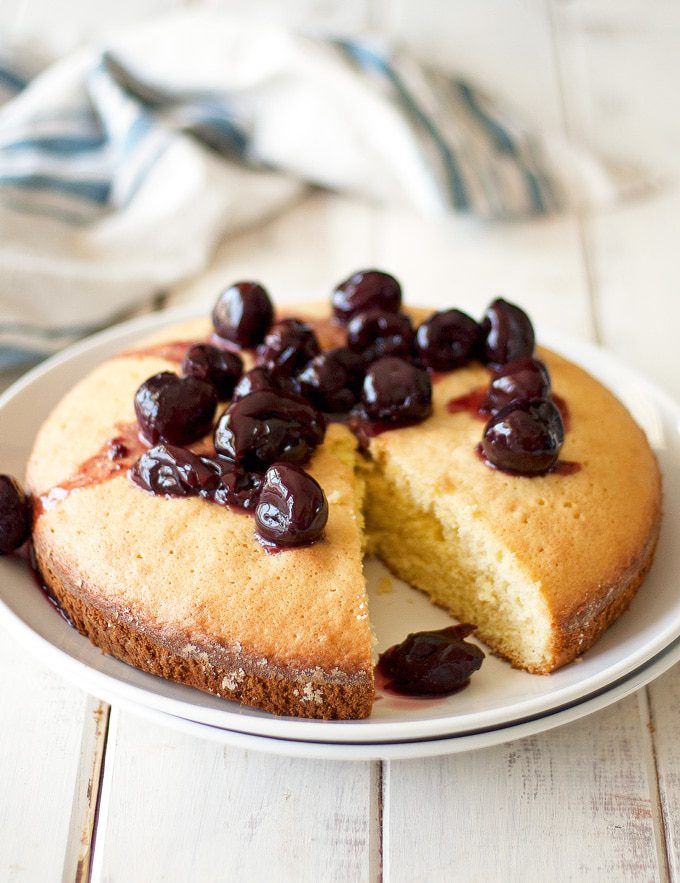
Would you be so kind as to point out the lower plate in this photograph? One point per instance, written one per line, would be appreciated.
(419, 748)
(498, 696)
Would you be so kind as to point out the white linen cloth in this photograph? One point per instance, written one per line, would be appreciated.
(122, 165)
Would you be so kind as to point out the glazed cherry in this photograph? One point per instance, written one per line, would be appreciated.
(175, 472)
(447, 340)
(14, 515)
(396, 392)
(508, 333)
(243, 314)
(374, 334)
(175, 409)
(524, 437)
(366, 290)
(261, 378)
(432, 663)
(267, 426)
(238, 488)
(219, 367)
(287, 348)
(518, 381)
(293, 509)
(332, 380)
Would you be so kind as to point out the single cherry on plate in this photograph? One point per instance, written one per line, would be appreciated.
(374, 334)
(396, 392)
(15, 512)
(219, 367)
(173, 409)
(519, 380)
(433, 663)
(332, 380)
(366, 290)
(171, 471)
(243, 314)
(267, 426)
(508, 333)
(292, 509)
(524, 438)
(287, 348)
(447, 340)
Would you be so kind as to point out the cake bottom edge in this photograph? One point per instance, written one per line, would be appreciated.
(273, 690)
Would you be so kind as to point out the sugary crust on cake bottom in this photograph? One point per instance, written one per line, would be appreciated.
(328, 696)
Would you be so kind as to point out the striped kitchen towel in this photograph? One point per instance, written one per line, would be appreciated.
(122, 165)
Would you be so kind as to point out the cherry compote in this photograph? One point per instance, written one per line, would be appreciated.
(396, 392)
(173, 409)
(518, 381)
(14, 515)
(171, 471)
(243, 314)
(432, 663)
(508, 333)
(261, 378)
(447, 340)
(374, 334)
(219, 367)
(292, 509)
(287, 348)
(267, 426)
(332, 380)
(524, 438)
(366, 290)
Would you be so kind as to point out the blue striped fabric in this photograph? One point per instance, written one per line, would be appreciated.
(80, 153)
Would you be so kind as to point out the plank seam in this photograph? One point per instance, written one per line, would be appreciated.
(580, 215)
(657, 802)
(377, 785)
(100, 788)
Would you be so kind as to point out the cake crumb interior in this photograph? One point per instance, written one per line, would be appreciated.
(442, 550)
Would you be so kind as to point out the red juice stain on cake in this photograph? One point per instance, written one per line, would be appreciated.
(430, 664)
(471, 403)
(171, 351)
(115, 456)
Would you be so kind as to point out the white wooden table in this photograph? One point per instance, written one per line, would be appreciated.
(91, 792)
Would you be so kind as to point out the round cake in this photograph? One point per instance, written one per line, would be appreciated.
(183, 588)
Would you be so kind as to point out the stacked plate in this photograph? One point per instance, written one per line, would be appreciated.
(500, 704)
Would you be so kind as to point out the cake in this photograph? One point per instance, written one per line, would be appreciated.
(182, 588)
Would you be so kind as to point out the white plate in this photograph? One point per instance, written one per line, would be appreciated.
(498, 696)
(419, 748)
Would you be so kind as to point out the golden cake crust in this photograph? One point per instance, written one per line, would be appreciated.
(178, 613)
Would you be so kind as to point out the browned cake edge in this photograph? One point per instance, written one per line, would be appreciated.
(275, 688)
(578, 631)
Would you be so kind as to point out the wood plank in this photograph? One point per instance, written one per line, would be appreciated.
(664, 699)
(619, 66)
(49, 750)
(175, 808)
(569, 804)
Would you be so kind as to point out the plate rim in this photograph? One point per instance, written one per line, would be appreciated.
(418, 748)
(348, 731)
